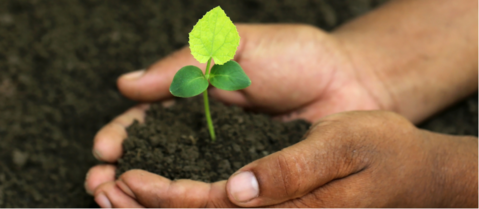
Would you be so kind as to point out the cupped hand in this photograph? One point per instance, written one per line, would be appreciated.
(297, 71)
(352, 159)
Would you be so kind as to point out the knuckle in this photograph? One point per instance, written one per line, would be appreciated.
(398, 119)
(388, 121)
(360, 121)
(290, 179)
(168, 200)
(347, 140)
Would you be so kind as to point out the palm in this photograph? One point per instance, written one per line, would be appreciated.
(297, 71)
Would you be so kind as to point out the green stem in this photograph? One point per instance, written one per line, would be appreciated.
(207, 105)
(207, 71)
(208, 116)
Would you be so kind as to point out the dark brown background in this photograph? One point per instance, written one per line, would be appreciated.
(59, 61)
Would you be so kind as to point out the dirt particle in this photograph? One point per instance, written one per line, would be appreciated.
(6, 19)
(19, 158)
(13, 60)
(236, 148)
(7, 88)
(224, 166)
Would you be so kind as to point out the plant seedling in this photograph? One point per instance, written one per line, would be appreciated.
(214, 37)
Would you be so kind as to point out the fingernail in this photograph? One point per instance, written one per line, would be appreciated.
(133, 75)
(96, 154)
(85, 184)
(244, 186)
(87, 190)
(102, 201)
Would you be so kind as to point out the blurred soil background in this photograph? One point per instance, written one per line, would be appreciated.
(59, 61)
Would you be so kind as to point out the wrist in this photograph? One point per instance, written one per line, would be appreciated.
(453, 166)
(411, 60)
(367, 70)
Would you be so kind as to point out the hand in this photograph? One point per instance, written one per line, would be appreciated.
(300, 67)
(399, 64)
(297, 71)
(353, 159)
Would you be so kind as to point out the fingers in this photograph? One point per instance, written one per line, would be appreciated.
(107, 143)
(294, 171)
(152, 190)
(98, 175)
(153, 84)
(109, 195)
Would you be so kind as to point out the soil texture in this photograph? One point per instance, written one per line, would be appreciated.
(59, 61)
(175, 142)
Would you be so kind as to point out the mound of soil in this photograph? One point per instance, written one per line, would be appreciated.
(174, 142)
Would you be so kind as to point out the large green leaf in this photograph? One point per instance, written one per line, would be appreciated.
(214, 36)
(229, 76)
(189, 81)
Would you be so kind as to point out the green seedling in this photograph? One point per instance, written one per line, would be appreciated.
(215, 38)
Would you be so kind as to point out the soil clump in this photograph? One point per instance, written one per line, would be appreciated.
(174, 142)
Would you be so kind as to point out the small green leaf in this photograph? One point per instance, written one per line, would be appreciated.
(214, 36)
(189, 81)
(229, 76)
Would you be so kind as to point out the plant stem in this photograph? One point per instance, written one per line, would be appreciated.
(207, 105)
(207, 71)
(208, 116)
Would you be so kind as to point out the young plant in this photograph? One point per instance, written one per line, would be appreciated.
(215, 38)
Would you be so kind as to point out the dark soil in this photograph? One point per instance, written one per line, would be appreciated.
(175, 143)
(59, 61)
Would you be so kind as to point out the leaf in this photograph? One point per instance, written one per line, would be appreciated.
(189, 81)
(214, 36)
(229, 76)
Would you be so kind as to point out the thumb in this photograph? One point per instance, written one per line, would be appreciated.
(153, 84)
(294, 171)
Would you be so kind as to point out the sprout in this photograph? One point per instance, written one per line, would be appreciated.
(213, 37)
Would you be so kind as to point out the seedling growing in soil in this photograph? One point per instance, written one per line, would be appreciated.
(213, 37)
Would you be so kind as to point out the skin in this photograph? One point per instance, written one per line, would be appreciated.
(404, 57)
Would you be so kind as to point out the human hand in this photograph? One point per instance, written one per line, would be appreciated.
(297, 71)
(407, 71)
(352, 159)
